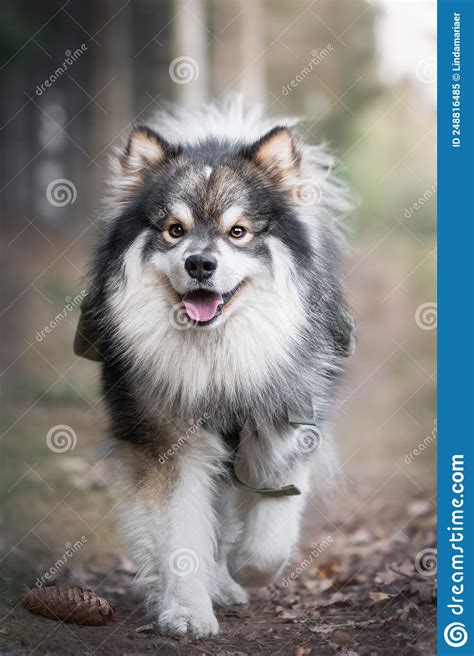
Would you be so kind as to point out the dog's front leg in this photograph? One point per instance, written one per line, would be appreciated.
(268, 458)
(169, 523)
(227, 591)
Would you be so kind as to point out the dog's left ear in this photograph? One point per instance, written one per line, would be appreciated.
(276, 151)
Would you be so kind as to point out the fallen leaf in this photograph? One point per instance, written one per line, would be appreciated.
(420, 507)
(327, 570)
(405, 613)
(145, 627)
(361, 536)
(338, 598)
(425, 591)
(407, 567)
(302, 651)
(288, 615)
(341, 637)
(387, 577)
(379, 596)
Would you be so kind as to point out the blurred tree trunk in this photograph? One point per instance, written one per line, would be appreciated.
(224, 64)
(189, 68)
(134, 72)
(151, 25)
(20, 122)
(114, 76)
(252, 78)
(238, 28)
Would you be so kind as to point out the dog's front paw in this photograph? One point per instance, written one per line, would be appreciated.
(179, 620)
(230, 592)
(254, 568)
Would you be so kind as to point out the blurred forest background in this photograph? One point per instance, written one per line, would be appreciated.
(75, 76)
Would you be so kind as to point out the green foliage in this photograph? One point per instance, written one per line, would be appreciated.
(337, 83)
(393, 170)
(15, 30)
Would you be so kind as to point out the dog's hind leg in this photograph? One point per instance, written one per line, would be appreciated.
(170, 524)
(270, 524)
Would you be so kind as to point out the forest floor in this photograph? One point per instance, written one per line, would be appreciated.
(363, 588)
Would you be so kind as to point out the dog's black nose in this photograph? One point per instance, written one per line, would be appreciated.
(200, 267)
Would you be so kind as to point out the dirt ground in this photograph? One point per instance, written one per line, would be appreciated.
(358, 589)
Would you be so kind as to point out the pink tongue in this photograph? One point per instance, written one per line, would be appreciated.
(201, 305)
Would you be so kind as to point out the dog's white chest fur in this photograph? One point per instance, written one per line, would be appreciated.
(237, 359)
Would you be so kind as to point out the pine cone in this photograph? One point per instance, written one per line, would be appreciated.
(69, 604)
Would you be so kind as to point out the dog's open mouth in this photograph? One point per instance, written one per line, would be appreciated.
(204, 306)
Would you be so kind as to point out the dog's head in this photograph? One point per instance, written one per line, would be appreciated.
(219, 217)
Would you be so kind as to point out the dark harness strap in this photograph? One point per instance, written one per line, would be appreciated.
(286, 491)
(302, 416)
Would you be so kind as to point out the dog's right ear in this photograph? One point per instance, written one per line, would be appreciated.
(145, 151)
(145, 148)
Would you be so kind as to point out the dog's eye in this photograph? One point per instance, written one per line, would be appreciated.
(176, 231)
(237, 232)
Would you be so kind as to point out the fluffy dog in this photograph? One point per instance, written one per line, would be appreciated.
(217, 308)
